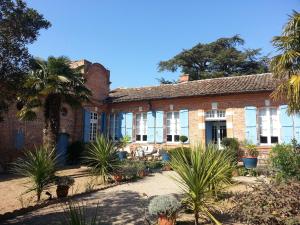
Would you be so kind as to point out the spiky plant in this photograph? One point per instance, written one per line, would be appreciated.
(77, 214)
(102, 157)
(39, 166)
(198, 171)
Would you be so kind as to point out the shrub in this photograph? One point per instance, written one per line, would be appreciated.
(183, 139)
(285, 160)
(166, 205)
(102, 157)
(269, 204)
(232, 145)
(187, 152)
(251, 150)
(152, 165)
(201, 172)
(39, 166)
(74, 152)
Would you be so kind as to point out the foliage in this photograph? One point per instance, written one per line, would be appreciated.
(75, 152)
(285, 160)
(166, 205)
(152, 165)
(183, 139)
(198, 171)
(220, 58)
(285, 66)
(64, 181)
(39, 166)
(19, 26)
(269, 204)
(49, 85)
(165, 81)
(187, 152)
(102, 157)
(232, 145)
(251, 150)
(123, 142)
(77, 214)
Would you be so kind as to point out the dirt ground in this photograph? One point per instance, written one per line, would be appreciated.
(13, 189)
(122, 204)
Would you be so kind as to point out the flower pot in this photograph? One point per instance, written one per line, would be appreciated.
(62, 191)
(167, 168)
(164, 220)
(142, 173)
(235, 173)
(165, 156)
(118, 178)
(250, 162)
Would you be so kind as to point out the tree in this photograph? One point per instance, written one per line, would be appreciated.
(19, 26)
(220, 58)
(50, 84)
(286, 65)
(201, 172)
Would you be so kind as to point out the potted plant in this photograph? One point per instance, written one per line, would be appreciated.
(63, 184)
(141, 169)
(165, 207)
(122, 145)
(250, 156)
(183, 139)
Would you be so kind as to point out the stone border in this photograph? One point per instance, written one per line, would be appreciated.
(22, 211)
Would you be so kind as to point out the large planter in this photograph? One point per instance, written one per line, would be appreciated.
(165, 157)
(122, 155)
(250, 162)
(163, 220)
(62, 191)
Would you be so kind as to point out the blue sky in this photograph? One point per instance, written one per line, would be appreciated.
(130, 37)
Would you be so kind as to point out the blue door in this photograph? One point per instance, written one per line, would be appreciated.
(62, 145)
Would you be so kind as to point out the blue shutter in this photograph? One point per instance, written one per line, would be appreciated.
(286, 123)
(86, 125)
(19, 139)
(250, 118)
(159, 127)
(297, 126)
(129, 125)
(184, 122)
(103, 123)
(150, 126)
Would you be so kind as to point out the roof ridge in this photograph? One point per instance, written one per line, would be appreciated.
(192, 81)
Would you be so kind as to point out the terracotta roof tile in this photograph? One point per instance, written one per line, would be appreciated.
(217, 86)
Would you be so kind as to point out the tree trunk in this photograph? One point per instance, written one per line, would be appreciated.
(196, 218)
(52, 120)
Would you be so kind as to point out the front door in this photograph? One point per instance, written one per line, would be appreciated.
(218, 132)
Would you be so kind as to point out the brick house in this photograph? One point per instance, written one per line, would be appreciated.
(204, 111)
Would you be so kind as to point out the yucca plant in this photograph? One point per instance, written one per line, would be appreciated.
(102, 157)
(76, 214)
(39, 166)
(201, 172)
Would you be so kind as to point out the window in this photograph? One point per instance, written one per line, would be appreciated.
(173, 127)
(114, 125)
(268, 125)
(93, 126)
(215, 114)
(141, 127)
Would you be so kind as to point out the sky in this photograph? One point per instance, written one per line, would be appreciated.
(130, 37)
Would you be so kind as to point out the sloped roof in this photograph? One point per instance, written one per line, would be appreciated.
(216, 86)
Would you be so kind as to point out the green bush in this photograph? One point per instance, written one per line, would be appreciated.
(166, 205)
(269, 204)
(232, 145)
(285, 160)
(39, 166)
(183, 139)
(75, 152)
(152, 165)
(187, 152)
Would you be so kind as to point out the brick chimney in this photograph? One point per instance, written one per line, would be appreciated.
(184, 78)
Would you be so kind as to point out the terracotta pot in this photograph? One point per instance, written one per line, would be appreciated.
(118, 178)
(62, 191)
(235, 173)
(163, 220)
(141, 173)
(167, 167)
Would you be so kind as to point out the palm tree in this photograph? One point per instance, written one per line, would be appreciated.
(50, 84)
(198, 171)
(286, 65)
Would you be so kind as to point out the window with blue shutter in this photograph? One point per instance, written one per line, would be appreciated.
(286, 122)
(86, 125)
(19, 139)
(184, 122)
(129, 125)
(159, 127)
(151, 126)
(250, 119)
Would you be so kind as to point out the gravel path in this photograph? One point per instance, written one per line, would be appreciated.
(123, 204)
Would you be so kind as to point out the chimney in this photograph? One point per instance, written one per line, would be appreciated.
(184, 78)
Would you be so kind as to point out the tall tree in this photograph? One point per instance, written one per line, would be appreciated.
(19, 26)
(286, 65)
(220, 58)
(50, 84)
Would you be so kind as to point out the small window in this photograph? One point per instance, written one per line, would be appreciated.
(274, 140)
